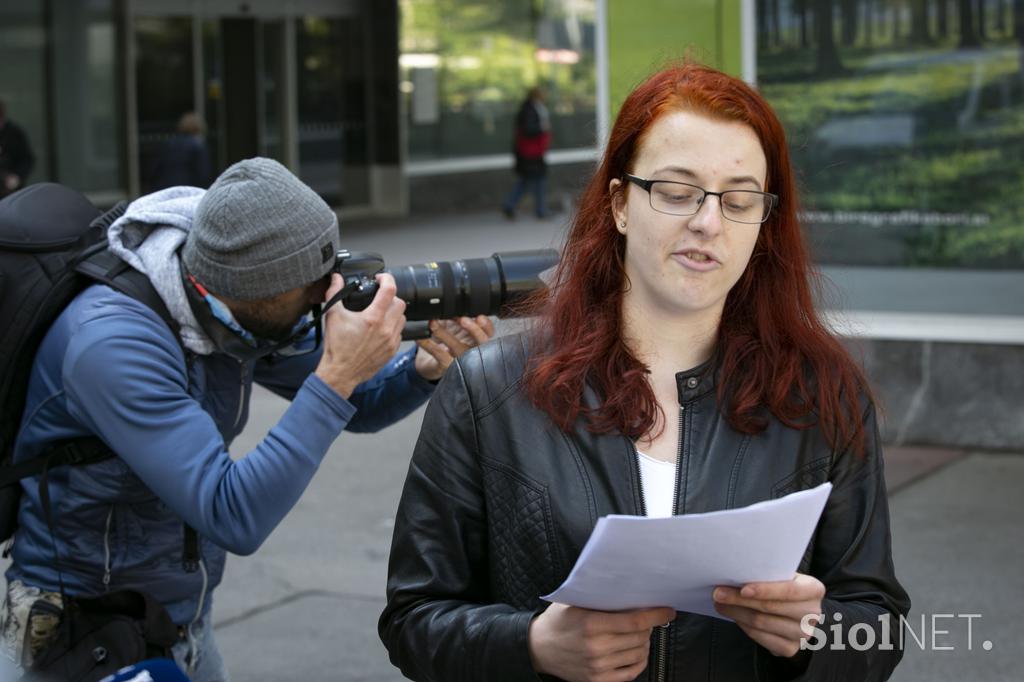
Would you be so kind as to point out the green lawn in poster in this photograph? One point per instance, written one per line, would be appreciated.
(909, 151)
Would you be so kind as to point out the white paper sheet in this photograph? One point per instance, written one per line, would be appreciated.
(635, 562)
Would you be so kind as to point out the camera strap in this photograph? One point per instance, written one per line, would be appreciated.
(345, 292)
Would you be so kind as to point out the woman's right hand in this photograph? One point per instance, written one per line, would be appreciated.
(577, 644)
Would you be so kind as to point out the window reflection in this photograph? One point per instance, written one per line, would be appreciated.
(332, 108)
(23, 77)
(164, 86)
(467, 64)
(86, 110)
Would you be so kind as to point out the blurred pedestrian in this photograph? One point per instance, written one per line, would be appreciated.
(183, 159)
(532, 140)
(16, 158)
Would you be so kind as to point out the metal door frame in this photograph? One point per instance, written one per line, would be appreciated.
(200, 10)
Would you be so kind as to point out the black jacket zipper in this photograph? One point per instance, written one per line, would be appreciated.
(660, 652)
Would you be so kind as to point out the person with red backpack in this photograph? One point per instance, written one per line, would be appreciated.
(150, 390)
(532, 141)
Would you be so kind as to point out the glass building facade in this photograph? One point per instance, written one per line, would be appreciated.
(344, 92)
(86, 116)
(466, 66)
(904, 118)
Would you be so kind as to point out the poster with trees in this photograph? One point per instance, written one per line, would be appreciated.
(906, 122)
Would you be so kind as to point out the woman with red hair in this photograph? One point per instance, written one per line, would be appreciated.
(678, 366)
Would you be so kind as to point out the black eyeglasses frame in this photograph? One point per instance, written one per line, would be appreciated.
(646, 185)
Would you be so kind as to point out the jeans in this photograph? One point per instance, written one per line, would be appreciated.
(534, 183)
(209, 666)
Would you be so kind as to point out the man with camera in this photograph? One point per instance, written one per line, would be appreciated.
(237, 267)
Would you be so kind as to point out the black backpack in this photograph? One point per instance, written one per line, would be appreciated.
(52, 246)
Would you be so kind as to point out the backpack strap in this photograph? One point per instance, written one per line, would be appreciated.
(77, 452)
(107, 268)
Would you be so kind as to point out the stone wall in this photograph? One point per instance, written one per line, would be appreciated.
(949, 394)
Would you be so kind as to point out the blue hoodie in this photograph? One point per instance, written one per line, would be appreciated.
(110, 367)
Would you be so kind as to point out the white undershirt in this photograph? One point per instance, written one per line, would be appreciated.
(658, 481)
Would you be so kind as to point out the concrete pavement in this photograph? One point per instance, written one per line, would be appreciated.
(957, 547)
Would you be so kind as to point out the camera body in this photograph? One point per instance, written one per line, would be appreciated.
(448, 289)
(358, 270)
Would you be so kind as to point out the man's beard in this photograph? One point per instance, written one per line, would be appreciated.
(258, 322)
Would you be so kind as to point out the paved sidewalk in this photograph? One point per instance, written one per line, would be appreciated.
(957, 547)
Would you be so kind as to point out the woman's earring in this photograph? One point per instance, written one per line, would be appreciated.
(622, 226)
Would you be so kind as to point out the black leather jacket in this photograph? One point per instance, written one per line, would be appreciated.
(499, 502)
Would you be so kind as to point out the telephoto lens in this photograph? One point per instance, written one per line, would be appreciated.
(446, 289)
(474, 286)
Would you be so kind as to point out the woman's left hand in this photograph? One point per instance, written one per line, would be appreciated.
(771, 613)
(448, 340)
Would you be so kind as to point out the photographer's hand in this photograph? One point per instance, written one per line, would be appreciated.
(450, 339)
(358, 344)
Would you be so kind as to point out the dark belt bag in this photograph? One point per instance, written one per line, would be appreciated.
(98, 636)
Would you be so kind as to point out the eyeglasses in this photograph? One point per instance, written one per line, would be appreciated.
(680, 198)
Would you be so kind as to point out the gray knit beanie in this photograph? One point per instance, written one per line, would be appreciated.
(258, 232)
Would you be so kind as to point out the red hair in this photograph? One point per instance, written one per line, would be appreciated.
(772, 349)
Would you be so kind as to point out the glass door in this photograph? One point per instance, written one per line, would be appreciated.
(227, 74)
(331, 94)
(164, 92)
(273, 89)
(290, 84)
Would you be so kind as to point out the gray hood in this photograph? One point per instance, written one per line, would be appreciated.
(148, 237)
